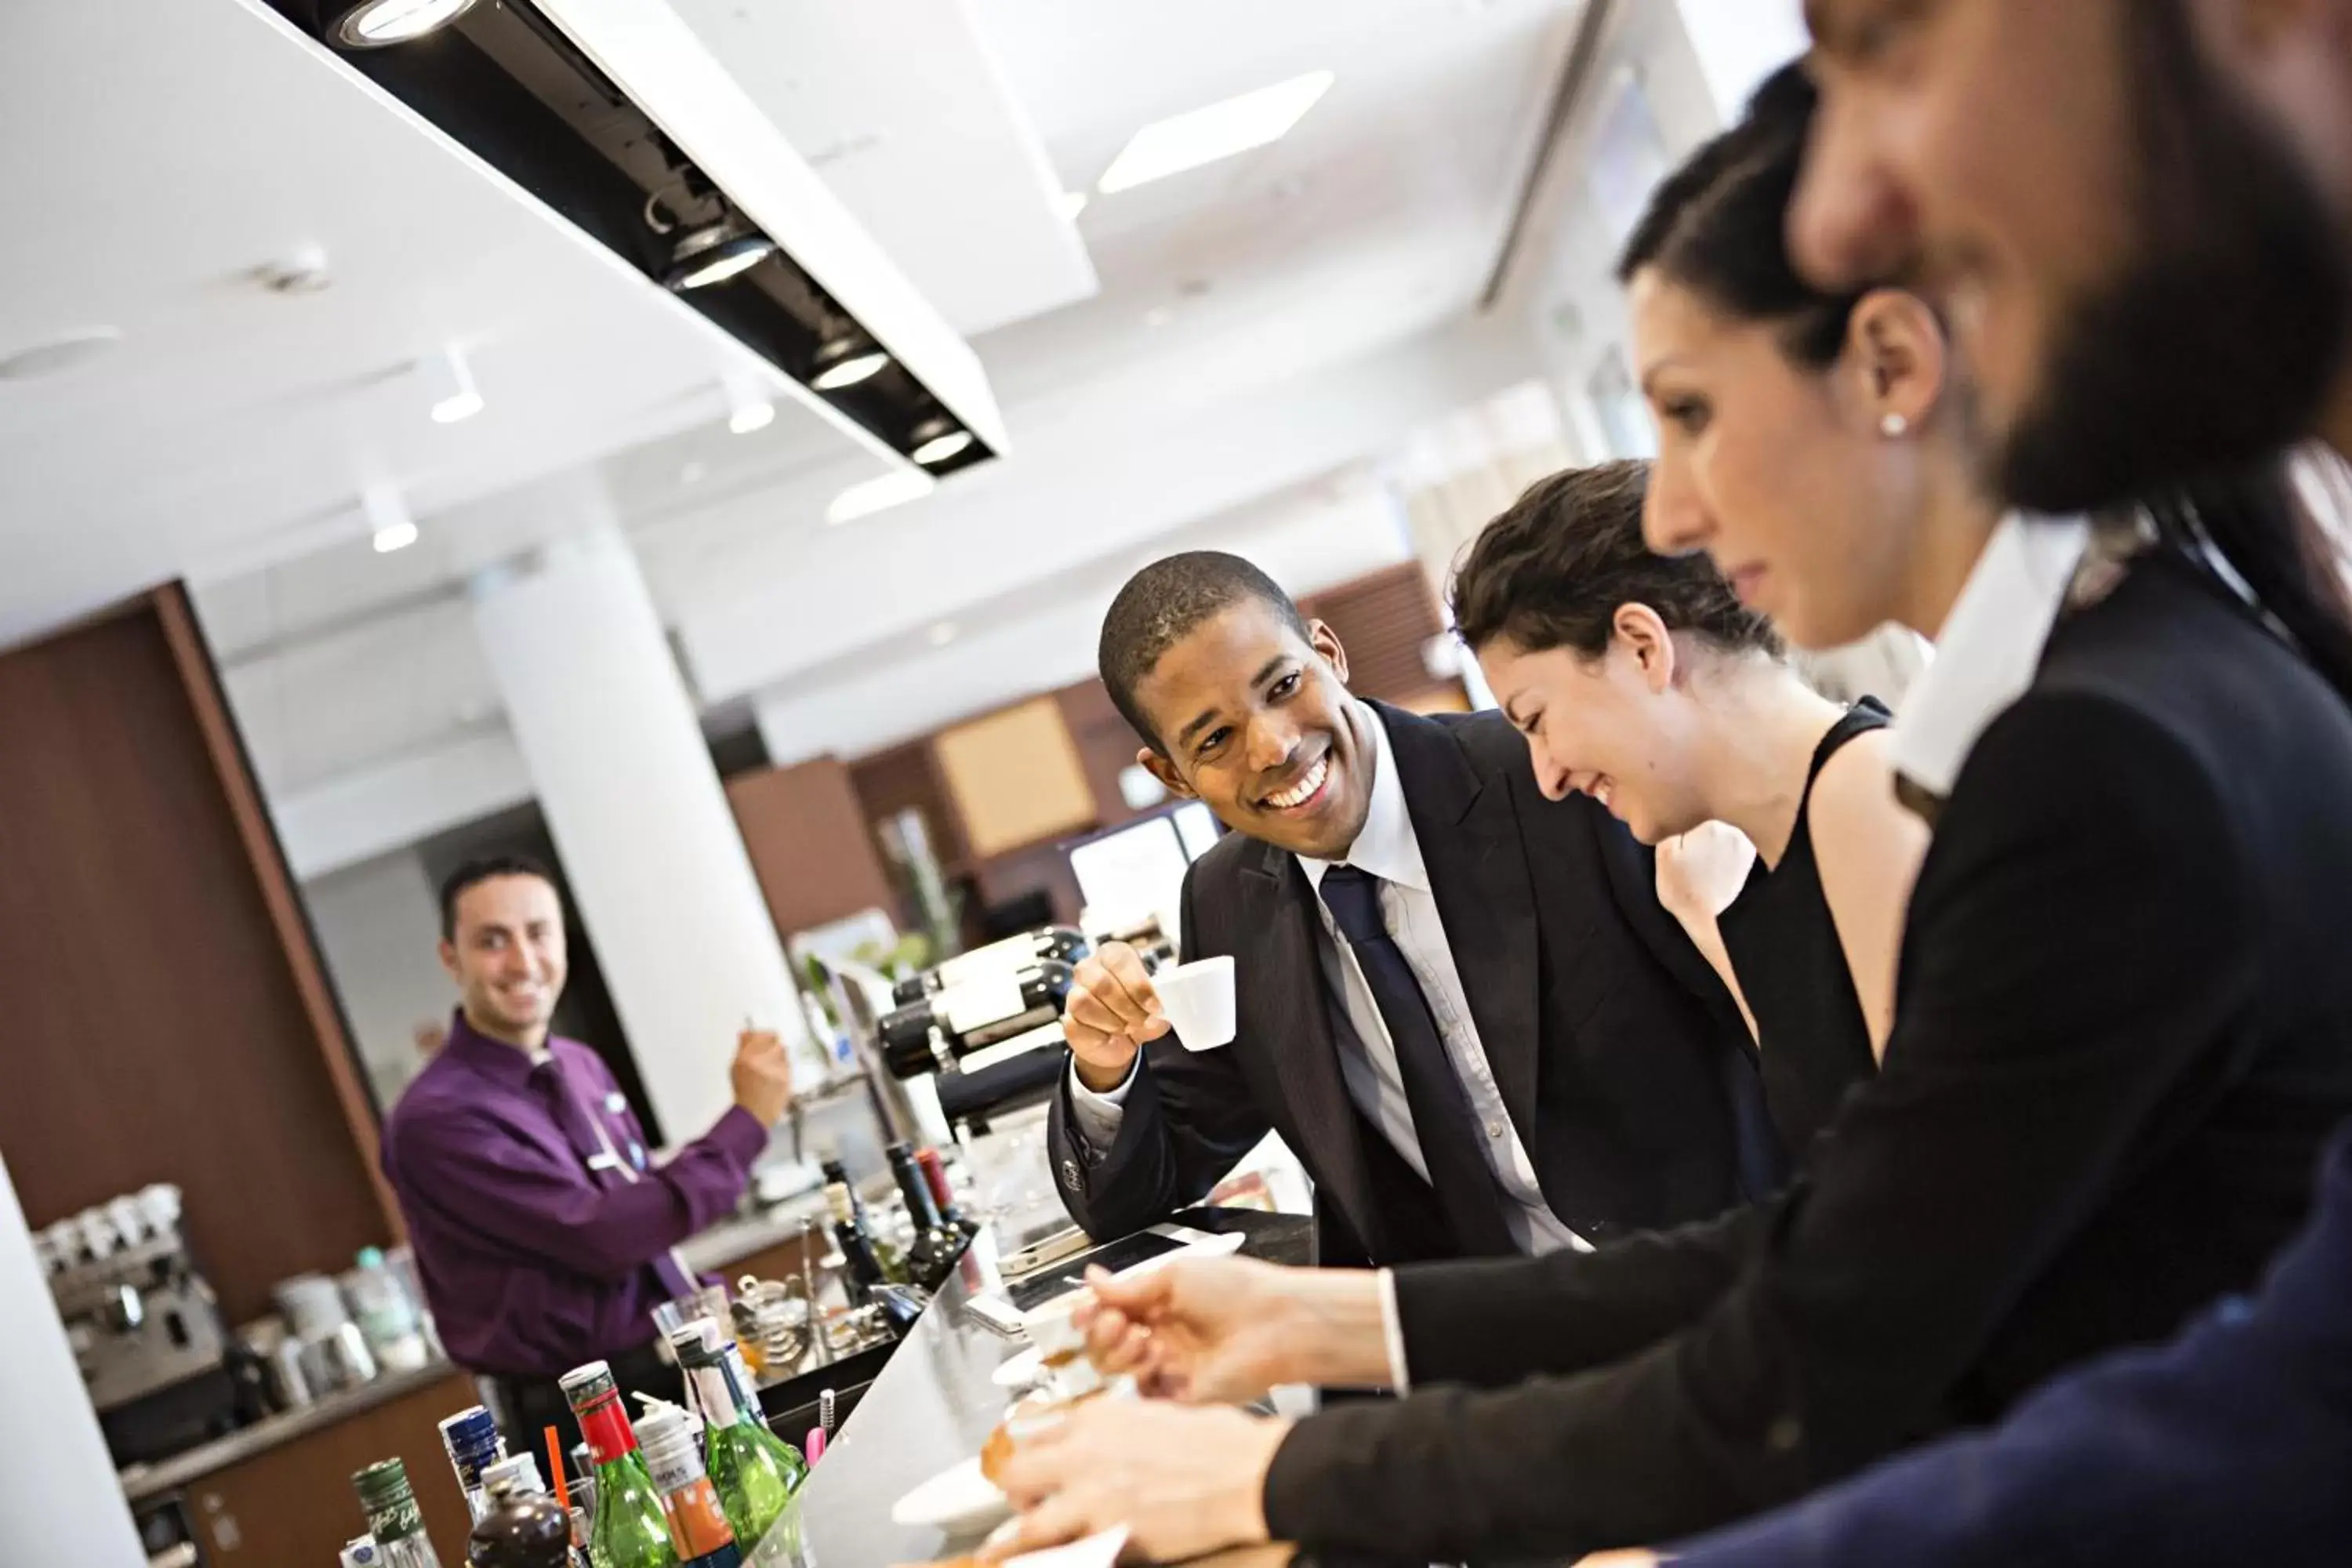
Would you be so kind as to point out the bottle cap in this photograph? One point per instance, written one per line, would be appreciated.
(387, 1499)
(515, 1473)
(672, 1455)
(694, 1343)
(471, 1437)
(587, 1383)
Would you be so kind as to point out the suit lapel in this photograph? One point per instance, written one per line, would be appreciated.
(1477, 865)
(1281, 999)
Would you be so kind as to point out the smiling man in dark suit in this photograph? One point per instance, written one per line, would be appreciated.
(1460, 1003)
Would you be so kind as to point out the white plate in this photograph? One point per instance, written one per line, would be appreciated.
(1021, 1371)
(958, 1501)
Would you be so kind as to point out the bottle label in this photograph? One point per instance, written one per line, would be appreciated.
(395, 1521)
(607, 1427)
(698, 1525)
(715, 1392)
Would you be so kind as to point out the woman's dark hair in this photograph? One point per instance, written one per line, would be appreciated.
(1716, 226)
(1552, 571)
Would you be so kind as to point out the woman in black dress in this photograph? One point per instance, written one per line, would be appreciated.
(1642, 680)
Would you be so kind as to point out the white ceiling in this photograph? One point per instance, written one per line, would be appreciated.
(164, 150)
(1230, 287)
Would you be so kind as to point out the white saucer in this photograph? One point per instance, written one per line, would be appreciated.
(1021, 1371)
(958, 1501)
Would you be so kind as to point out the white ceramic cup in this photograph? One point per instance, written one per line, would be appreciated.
(1198, 999)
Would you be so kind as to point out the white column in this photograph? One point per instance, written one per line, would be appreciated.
(59, 1501)
(649, 846)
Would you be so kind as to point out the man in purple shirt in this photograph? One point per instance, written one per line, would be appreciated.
(542, 1234)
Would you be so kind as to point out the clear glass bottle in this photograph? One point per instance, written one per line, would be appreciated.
(390, 1504)
(471, 1440)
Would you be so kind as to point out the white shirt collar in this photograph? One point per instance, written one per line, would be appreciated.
(1990, 647)
(1387, 846)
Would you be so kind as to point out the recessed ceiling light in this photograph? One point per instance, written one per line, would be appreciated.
(845, 360)
(1073, 203)
(936, 441)
(58, 353)
(942, 634)
(373, 24)
(1201, 136)
(455, 396)
(1158, 316)
(692, 473)
(865, 499)
(715, 253)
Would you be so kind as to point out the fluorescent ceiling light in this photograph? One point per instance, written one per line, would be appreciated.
(865, 499)
(1072, 204)
(1201, 136)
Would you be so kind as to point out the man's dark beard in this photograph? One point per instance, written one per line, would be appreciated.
(2218, 342)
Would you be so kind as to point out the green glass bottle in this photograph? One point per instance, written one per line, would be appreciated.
(631, 1531)
(756, 1471)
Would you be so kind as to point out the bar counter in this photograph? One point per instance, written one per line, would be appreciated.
(933, 1406)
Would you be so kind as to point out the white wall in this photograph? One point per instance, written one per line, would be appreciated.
(59, 1501)
(1327, 535)
(378, 925)
(401, 801)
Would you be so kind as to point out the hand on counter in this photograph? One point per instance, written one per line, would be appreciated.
(763, 1075)
(1226, 1329)
(1184, 1481)
(1111, 1013)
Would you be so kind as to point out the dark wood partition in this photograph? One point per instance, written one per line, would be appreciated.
(168, 1017)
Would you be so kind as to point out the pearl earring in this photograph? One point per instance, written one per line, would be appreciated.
(1894, 427)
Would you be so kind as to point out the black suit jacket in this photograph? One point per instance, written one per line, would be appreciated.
(1586, 993)
(2122, 1029)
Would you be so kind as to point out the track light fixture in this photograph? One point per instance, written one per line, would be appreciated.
(714, 253)
(748, 405)
(845, 359)
(376, 24)
(455, 396)
(388, 518)
(937, 440)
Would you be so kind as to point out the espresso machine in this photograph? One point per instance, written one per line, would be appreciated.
(988, 1023)
(144, 1323)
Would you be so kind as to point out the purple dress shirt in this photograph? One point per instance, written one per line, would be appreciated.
(534, 1260)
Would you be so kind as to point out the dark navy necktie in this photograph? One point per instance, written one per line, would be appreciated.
(1442, 1123)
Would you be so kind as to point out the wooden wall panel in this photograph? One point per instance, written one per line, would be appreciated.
(294, 1505)
(156, 1030)
(1015, 777)
(1107, 746)
(890, 782)
(1383, 619)
(806, 833)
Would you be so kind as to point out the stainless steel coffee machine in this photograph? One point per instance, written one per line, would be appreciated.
(143, 1324)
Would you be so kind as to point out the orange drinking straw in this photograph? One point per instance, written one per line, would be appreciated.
(555, 1470)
